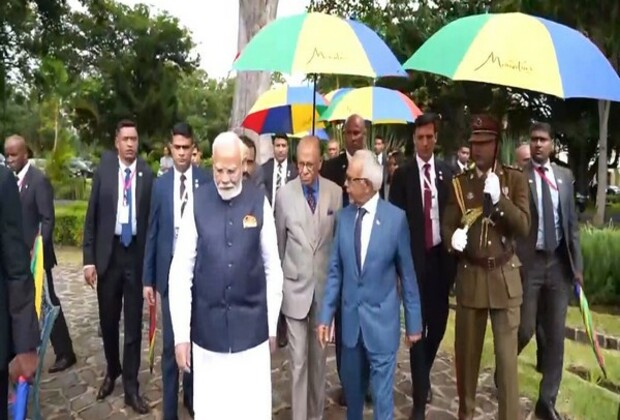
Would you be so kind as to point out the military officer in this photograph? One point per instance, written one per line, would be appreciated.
(488, 281)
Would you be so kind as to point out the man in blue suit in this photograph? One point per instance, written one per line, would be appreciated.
(370, 255)
(172, 192)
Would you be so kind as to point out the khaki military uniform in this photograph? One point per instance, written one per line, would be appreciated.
(488, 283)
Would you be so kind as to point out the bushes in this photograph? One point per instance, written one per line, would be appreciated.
(70, 223)
(601, 255)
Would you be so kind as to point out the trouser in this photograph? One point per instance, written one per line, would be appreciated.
(548, 280)
(470, 330)
(170, 370)
(4, 391)
(121, 289)
(60, 338)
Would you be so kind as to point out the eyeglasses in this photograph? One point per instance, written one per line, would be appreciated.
(307, 165)
(348, 180)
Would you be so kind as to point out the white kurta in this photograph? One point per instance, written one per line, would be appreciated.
(231, 386)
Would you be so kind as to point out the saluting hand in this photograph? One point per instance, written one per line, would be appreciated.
(492, 187)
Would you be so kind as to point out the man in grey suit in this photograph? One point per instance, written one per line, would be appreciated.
(552, 262)
(305, 214)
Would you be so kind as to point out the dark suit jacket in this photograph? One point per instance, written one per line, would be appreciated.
(160, 237)
(405, 193)
(19, 327)
(336, 171)
(101, 214)
(570, 222)
(268, 180)
(37, 198)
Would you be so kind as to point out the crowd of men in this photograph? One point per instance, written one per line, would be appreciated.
(247, 257)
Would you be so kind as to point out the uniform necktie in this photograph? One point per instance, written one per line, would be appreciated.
(182, 193)
(361, 212)
(551, 242)
(428, 204)
(126, 230)
(310, 198)
(279, 177)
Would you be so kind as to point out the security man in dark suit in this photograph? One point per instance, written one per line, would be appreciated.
(488, 209)
(19, 327)
(37, 199)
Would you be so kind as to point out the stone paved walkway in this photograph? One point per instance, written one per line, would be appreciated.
(71, 394)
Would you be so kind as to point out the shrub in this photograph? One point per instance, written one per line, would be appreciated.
(601, 255)
(70, 223)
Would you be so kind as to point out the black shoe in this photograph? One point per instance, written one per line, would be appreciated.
(137, 403)
(189, 407)
(546, 411)
(63, 363)
(107, 387)
(417, 414)
(429, 397)
(342, 401)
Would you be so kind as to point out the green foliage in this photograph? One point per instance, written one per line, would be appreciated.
(70, 223)
(600, 248)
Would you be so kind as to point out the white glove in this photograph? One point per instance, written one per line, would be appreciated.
(459, 240)
(491, 186)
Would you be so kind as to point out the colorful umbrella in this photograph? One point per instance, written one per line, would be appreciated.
(522, 51)
(376, 104)
(336, 93)
(20, 399)
(587, 321)
(314, 43)
(320, 133)
(152, 331)
(38, 272)
(285, 109)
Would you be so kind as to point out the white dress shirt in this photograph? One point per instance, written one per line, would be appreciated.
(275, 177)
(120, 205)
(182, 271)
(432, 183)
(21, 175)
(462, 166)
(367, 222)
(555, 199)
(178, 200)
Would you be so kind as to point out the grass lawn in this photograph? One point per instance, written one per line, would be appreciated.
(69, 255)
(578, 398)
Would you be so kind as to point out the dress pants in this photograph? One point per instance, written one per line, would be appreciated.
(60, 338)
(121, 289)
(4, 391)
(307, 367)
(359, 367)
(170, 370)
(434, 298)
(549, 279)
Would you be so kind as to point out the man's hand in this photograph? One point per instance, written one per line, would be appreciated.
(322, 333)
(25, 365)
(273, 344)
(332, 332)
(491, 187)
(183, 354)
(579, 279)
(90, 275)
(149, 295)
(459, 240)
(412, 339)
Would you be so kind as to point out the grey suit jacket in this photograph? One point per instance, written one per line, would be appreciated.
(304, 245)
(570, 223)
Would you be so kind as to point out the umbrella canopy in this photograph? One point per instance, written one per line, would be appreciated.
(314, 43)
(587, 322)
(376, 104)
(336, 93)
(285, 109)
(321, 134)
(522, 51)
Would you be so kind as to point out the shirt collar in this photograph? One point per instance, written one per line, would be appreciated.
(315, 185)
(131, 167)
(371, 205)
(421, 163)
(187, 173)
(546, 165)
(22, 174)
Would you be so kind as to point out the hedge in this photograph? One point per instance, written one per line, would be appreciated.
(70, 223)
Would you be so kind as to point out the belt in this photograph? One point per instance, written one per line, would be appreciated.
(491, 263)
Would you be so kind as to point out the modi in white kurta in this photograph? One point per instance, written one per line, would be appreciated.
(227, 386)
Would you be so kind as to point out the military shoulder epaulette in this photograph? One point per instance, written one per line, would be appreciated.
(513, 167)
(467, 172)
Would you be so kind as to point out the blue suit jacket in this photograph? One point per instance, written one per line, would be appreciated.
(160, 237)
(369, 301)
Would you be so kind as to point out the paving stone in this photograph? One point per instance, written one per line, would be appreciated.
(72, 394)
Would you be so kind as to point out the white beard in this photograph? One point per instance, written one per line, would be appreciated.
(228, 195)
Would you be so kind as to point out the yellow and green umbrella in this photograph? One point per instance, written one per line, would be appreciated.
(317, 43)
(285, 109)
(521, 51)
(376, 104)
(336, 93)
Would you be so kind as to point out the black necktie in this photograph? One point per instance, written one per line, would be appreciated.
(310, 198)
(361, 212)
(550, 240)
(183, 197)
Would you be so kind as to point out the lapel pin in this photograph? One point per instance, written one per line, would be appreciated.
(470, 195)
(530, 181)
(139, 173)
(559, 180)
(378, 222)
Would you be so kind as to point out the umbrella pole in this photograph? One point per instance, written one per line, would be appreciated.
(313, 102)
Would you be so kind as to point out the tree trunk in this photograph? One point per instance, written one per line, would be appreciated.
(601, 177)
(253, 15)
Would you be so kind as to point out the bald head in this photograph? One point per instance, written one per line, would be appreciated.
(354, 134)
(16, 152)
(522, 155)
(309, 159)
